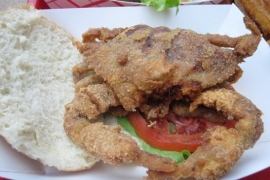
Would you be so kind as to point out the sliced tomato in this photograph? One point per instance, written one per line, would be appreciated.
(230, 124)
(187, 133)
(164, 141)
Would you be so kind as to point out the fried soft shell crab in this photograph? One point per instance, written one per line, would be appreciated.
(152, 71)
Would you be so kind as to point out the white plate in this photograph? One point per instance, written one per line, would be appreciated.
(225, 19)
(192, 2)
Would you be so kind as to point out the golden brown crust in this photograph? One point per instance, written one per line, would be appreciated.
(104, 141)
(208, 161)
(221, 147)
(143, 62)
(148, 68)
(182, 110)
(234, 106)
(244, 45)
(220, 151)
(259, 12)
(101, 34)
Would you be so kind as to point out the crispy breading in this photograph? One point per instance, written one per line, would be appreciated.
(221, 147)
(243, 46)
(93, 100)
(182, 109)
(210, 160)
(104, 141)
(259, 12)
(143, 62)
(220, 151)
(236, 107)
(149, 68)
(88, 80)
(101, 34)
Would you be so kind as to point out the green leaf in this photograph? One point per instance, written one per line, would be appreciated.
(176, 156)
(125, 124)
(147, 2)
(177, 10)
(160, 5)
(172, 127)
(172, 3)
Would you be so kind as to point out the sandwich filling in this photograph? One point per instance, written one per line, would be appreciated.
(172, 136)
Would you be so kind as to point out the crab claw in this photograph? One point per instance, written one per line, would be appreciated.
(221, 147)
(105, 141)
(235, 107)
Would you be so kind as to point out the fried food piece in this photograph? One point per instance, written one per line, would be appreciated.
(105, 141)
(219, 152)
(259, 12)
(91, 102)
(101, 34)
(148, 68)
(221, 147)
(88, 80)
(182, 109)
(235, 107)
(163, 64)
(154, 109)
(210, 160)
(243, 46)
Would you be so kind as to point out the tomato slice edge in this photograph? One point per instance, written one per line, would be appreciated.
(169, 142)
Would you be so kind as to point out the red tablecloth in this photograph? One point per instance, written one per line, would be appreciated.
(262, 175)
(56, 4)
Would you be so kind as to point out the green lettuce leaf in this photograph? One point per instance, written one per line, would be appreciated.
(176, 156)
(162, 4)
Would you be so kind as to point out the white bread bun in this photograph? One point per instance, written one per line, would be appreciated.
(36, 60)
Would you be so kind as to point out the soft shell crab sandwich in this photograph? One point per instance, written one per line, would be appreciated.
(170, 92)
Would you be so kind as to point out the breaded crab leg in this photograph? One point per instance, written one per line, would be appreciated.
(221, 147)
(244, 45)
(235, 107)
(105, 141)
